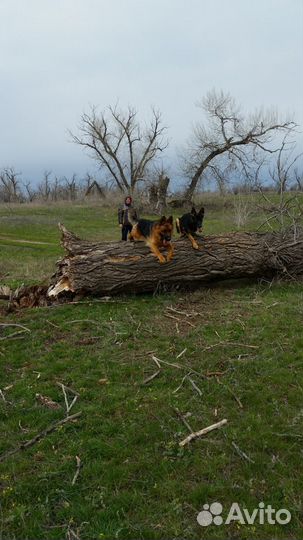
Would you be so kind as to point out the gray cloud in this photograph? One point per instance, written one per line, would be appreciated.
(59, 56)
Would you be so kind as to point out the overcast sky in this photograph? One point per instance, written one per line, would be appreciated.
(58, 57)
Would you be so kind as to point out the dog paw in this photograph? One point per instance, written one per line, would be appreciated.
(162, 259)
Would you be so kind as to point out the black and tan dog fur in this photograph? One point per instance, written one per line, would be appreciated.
(156, 234)
(189, 224)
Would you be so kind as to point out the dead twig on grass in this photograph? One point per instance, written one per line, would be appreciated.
(181, 353)
(16, 325)
(177, 366)
(183, 419)
(195, 386)
(174, 310)
(179, 320)
(216, 373)
(78, 462)
(67, 404)
(68, 388)
(152, 377)
(241, 453)
(10, 336)
(290, 435)
(171, 317)
(156, 360)
(231, 392)
(230, 343)
(83, 320)
(202, 432)
(180, 385)
(52, 324)
(39, 436)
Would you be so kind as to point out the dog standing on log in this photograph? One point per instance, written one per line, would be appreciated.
(189, 224)
(156, 234)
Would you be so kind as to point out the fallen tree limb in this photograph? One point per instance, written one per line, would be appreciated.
(110, 268)
(39, 436)
(202, 432)
(106, 269)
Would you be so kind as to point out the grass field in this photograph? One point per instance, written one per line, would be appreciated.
(236, 351)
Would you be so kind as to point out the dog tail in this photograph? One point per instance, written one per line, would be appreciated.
(178, 225)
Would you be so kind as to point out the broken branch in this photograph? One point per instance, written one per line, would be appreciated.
(39, 436)
(202, 432)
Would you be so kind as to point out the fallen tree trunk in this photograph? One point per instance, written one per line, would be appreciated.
(102, 269)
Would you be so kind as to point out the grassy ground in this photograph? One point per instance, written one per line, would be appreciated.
(135, 480)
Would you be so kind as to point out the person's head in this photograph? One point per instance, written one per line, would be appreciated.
(128, 200)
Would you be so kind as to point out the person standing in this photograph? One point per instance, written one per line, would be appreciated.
(126, 216)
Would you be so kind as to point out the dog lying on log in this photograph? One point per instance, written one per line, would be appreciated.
(189, 224)
(156, 234)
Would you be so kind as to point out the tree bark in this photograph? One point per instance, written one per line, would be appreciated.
(101, 268)
(162, 193)
(153, 196)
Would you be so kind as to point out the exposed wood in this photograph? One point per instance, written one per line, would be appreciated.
(162, 193)
(202, 432)
(27, 297)
(5, 292)
(111, 268)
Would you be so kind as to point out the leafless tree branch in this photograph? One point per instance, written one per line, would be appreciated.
(118, 143)
(227, 132)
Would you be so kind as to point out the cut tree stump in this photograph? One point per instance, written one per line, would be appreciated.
(107, 269)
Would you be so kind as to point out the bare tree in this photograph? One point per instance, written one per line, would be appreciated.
(71, 187)
(56, 189)
(298, 177)
(10, 190)
(87, 181)
(282, 171)
(29, 191)
(120, 145)
(227, 132)
(45, 188)
(95, 190)
(162, 193)
(242, 209)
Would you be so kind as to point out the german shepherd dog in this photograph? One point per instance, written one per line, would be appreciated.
(189, 224)
(156, 234)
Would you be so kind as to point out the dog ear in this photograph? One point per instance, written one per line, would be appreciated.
(201, 211)
(163, 219)
(193, 211)
(170, 219)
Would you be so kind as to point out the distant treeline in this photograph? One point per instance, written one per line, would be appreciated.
(13, 189)
(52, 189)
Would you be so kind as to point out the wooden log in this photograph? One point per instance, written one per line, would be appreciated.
(110, 268)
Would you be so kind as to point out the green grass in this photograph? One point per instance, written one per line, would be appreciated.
(135, 480)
